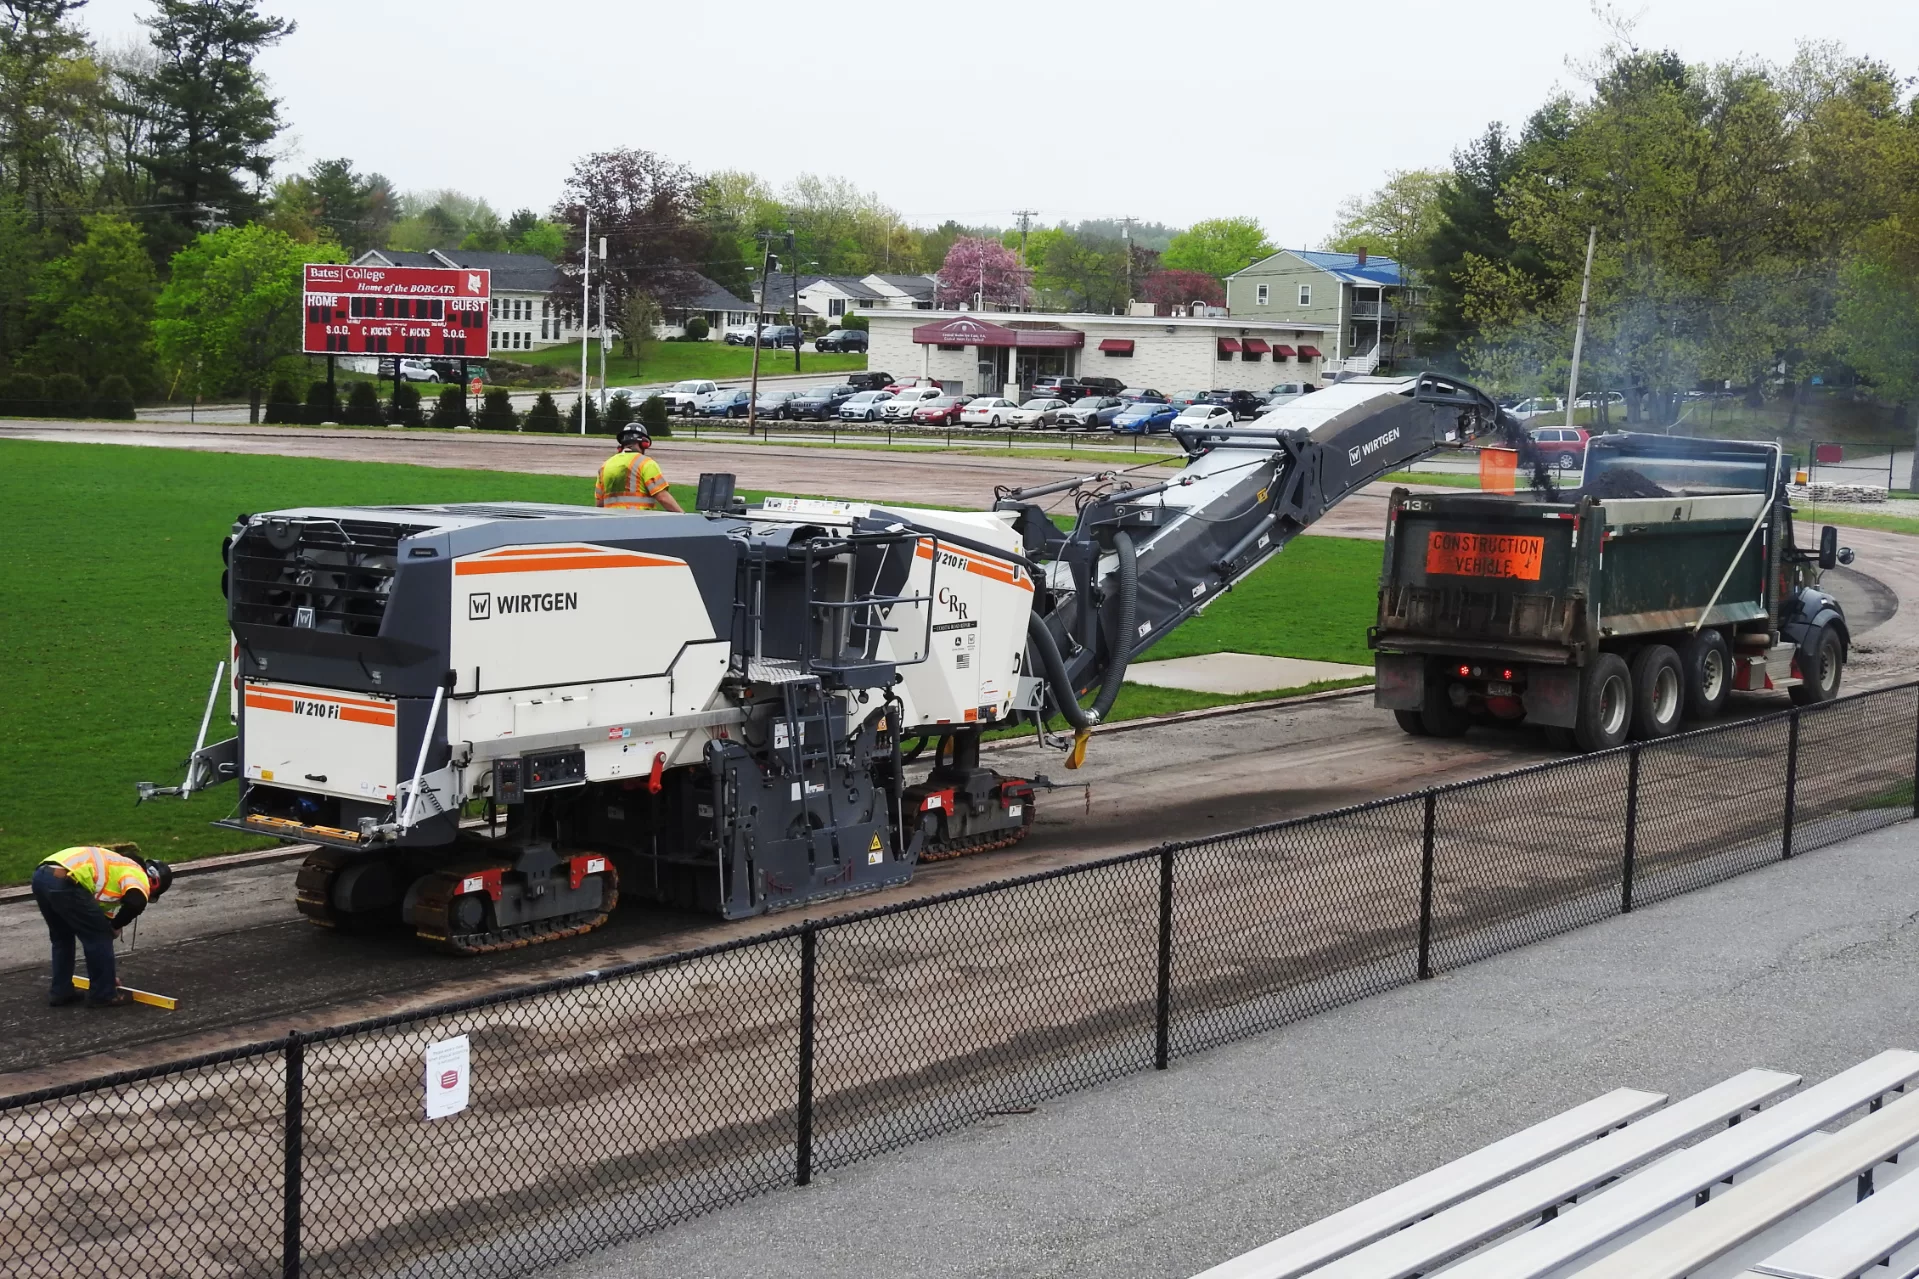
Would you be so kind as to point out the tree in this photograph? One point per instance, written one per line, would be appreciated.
(66, 395)
(527, 232)
(496, 411)
(1878, 332)
(323, 404)
(444, 219)
(1085, 273)
(404, 407)
(40, 50)
(653, 417)
(1218, 247)
(212, 120)
(620, 411)
(93, 306)
(544, 415)
(647, 208)
(363, 406)
(983, 273)
(1396, 221)
(282, 408)
(355, 209)
(1167, 289)
(234, 306)
(696, 328)
(450, 410)
(113, 399)
(1469, 223)
(639, 321)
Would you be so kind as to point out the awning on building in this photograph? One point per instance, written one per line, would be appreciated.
(1282, 352)
(1255, 346)
(966, 331)
(1309, 353)
(1230, 345)
(1118, 346)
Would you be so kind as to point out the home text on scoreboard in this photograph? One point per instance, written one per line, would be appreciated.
(397, 310)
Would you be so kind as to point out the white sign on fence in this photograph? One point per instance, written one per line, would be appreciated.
(448, 1074)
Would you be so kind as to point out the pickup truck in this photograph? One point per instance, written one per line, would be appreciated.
(680, 397)
(1670, 579)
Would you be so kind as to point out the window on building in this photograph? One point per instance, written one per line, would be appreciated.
(1305, 295)
(836, 306)
(1259, 295)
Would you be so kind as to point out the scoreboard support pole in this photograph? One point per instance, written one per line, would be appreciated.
(329, 376)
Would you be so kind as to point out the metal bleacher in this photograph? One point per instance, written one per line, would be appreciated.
(1719, 1185)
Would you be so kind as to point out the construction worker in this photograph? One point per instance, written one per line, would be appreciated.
(91, 894)
(630, 480)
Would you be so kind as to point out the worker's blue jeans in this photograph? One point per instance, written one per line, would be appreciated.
(71, 912)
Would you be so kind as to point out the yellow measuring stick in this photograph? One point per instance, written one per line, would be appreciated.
(146, 997)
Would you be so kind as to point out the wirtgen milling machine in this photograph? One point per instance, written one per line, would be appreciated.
(722, 710)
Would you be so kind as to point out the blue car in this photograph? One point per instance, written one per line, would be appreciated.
(724, 403)
(1144, 418)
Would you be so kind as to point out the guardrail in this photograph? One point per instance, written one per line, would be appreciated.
(613, 1103)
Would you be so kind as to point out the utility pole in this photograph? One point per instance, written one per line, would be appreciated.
(605, 334)
(1579, 333)
(1126, 248)
(793, 278)
(1025, 217)
(768, 265)
(586, 308)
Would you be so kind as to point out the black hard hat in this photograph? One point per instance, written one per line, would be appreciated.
(160, 875)
(634, 433)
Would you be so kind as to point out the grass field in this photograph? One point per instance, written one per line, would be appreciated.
(672, 361)
(111, 619)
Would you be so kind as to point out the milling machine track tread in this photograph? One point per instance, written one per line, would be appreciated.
(313, 886)
(966, 846)
(441, 887)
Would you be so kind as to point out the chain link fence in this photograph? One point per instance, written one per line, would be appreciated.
(611, 1104)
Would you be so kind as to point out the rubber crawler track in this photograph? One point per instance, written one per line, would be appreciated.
(432, 916)
(946, 850)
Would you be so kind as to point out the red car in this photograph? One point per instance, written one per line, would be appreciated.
(945, 411)
(907, 384)
(1563, 446)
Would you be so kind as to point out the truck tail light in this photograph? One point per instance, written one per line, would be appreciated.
(1465, 671)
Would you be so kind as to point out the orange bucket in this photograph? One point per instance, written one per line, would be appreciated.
(1497, 467)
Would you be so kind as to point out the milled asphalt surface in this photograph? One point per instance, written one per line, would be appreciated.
(1808, 966)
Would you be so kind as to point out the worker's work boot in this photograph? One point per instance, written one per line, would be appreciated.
(118, 997)
(66, 1000)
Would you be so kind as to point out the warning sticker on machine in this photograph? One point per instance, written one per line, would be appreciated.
(1484, 555)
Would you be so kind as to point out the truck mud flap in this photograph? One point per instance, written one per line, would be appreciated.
(1552, 695)
(1399, 681)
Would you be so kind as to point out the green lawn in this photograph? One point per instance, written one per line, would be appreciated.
(111, 620)
(672, 361)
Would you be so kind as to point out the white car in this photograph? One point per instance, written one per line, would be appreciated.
(900, 407)
(1538, 406)
(1284, 393)
(418, 371)
(738, 334)
(1202, 416)
(1038, 411)
(682, 396)
(864, 407)
(987, 410)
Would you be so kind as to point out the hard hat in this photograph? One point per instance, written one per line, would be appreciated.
(160, 875)
(634, 433)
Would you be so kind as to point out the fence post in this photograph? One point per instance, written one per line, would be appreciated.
(1426, 889)
(1792, 781)
(1632, 829)
(803, 1140)
(1915, 764)
(1163, 1016)
(295, 1129)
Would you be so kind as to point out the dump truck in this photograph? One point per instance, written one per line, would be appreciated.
(1670, 579)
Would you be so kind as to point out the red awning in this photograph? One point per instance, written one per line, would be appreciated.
(1282, 352)
(1118, 346)
(1309, 353)
(1256, 346)
(1229, 344)
(964, 330)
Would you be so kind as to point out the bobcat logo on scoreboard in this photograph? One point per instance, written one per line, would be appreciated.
(472, 283)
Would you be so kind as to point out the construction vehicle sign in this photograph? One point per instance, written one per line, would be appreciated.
(1484, 555)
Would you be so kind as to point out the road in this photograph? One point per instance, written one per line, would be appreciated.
(246, 969)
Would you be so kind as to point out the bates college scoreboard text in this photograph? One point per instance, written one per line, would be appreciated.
(396, 310)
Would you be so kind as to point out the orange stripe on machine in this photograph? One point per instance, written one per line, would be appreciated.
(320, 706)
(975, 563)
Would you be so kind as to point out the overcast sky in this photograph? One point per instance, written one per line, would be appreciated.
(1075, 108)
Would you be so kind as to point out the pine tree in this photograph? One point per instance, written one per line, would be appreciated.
(497, 414)
(544, 415)
(451, 410)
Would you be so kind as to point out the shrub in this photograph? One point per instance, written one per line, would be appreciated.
(363, 406)
(544, 415)
(620, 411)
(496, 413)
(451, 411)
(853, 322)
(593, 424)
(66, 395)
(404, 408)
(697, 329)
(113, 398)
(23, 395)
(323, 404)
(653, 417)
(282, 408)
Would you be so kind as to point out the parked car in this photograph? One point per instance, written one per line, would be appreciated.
(906, 384)
(725, 402)
(1203, 416)
(682, 395)
(842, 340)
(1056, 386)
(1091, 412)
(1537, 406)
(1101, 386)
(1134, 394)
(776, 404)
(820, 402)
(900, 407)
(1244, 404)
(418, 371)
(988, 410)
(864, 407)
(1617, 399)
(737, 335)
(1563, 446)
(1284, 393)
(1180, 399)
(779, 335)
(944, 411)
(1041, 410)
(1144, 417)
(869, 381)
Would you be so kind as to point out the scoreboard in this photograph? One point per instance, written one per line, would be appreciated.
(397, 310)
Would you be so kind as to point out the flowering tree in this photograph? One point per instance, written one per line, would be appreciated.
(1167, 289)
(985, 269)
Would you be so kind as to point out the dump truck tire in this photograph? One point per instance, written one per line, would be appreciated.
(1437, 712)
(1412, 723)
(1658, 693)
(1707, 663)
(1822, 663)
(1605, 703)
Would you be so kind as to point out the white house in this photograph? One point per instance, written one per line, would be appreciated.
(829, 297)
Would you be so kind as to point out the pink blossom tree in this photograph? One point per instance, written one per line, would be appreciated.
(1168, 289)
(983, 269)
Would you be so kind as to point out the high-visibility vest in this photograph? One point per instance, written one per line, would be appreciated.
(104, 873)
(630, 480)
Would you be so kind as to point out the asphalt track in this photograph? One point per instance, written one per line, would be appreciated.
(245, 969)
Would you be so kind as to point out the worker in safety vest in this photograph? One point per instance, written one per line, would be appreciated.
(91, 894)
(630, 480)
